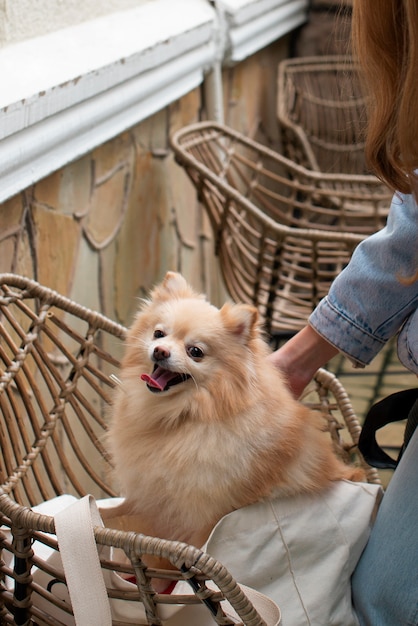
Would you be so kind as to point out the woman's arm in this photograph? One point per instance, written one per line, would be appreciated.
(370, 300)
(367, 303)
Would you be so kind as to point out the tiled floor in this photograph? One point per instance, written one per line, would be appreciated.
(385, 375)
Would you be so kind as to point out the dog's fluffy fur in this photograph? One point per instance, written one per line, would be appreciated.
(224, 433)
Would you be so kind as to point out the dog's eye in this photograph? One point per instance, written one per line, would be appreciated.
(158, 334)
(195, 353)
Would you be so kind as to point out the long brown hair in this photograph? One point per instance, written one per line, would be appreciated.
(385, 42)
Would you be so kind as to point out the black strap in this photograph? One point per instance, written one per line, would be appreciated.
(411, 424)
(396, 407)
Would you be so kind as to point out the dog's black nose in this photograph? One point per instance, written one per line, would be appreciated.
(161, 353)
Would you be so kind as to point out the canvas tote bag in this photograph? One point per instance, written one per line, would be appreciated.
(87, 582)
(301, 551)
(296, 553)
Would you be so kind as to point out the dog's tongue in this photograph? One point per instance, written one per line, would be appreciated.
(159, 378)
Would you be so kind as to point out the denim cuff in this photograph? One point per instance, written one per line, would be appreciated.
(355, 342)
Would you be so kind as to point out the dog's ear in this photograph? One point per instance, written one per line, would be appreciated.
(174, 285)
(240, 320)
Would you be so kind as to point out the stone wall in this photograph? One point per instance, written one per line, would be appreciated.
(106, 227)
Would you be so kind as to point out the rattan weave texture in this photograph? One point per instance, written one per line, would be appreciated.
(57, 366)
(282, 232)
(321, 109)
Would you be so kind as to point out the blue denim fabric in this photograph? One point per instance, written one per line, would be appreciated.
(367, 303)
(385, 582)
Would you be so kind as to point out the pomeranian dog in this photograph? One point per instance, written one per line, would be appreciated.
(203, 424)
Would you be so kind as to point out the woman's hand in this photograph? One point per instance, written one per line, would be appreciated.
(300, 357)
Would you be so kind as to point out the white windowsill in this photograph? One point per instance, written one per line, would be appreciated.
(67, 92)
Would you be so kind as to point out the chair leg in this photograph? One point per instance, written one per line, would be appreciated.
(22, 575)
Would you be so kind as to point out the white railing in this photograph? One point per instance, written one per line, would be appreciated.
(69, 91)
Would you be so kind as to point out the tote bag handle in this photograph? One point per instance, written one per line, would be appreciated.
(81, 563)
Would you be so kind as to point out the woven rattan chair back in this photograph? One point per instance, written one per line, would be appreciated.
(282, 232)
(322, 113)
(58, 361)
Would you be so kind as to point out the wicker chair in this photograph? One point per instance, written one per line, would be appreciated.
(321, 111)
(282, 232)
(58, 361)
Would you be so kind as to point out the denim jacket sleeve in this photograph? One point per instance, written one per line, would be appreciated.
(368, 303)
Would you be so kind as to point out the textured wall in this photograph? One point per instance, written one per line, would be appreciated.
(105, 228)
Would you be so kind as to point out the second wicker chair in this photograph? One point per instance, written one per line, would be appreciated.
(282, 232)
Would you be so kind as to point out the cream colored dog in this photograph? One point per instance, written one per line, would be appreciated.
(202, 423)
